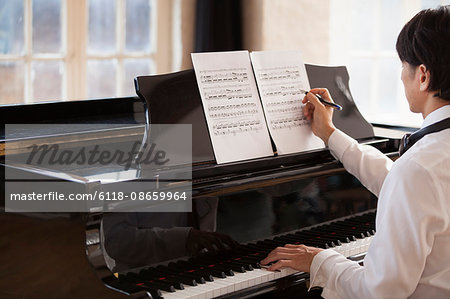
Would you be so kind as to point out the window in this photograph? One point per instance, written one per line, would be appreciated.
(363, 37)
(65, 50)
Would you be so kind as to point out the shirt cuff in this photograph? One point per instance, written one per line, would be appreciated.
(318, 275)
(338, 142)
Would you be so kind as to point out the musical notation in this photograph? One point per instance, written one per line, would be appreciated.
(288, 122)
(282, 91)
(223, 76)
(245, 105)
(284, 103)
(281, 78)
(233, 128)
(279, 74)
(232, 108)
(285, 110)
(231, 93)
(234, 114)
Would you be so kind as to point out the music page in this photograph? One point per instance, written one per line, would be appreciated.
(282, 82)
(234, 115)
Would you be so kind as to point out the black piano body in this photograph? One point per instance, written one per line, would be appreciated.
(260, 203)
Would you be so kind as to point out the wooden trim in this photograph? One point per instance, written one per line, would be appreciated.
(76, 49)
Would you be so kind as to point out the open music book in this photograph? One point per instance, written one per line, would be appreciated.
(246, 106)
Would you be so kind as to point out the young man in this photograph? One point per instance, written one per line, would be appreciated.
(410, 253)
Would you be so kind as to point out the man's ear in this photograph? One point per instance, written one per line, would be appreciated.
(424, 77)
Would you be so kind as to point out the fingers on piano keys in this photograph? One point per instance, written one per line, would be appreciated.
(210, 276)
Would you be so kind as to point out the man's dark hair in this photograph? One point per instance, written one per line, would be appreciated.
(425, 39)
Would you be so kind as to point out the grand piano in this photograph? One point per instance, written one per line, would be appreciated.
(239, 212)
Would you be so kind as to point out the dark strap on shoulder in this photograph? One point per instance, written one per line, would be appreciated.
(410, 139)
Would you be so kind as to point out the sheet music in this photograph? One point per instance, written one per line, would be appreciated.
(235, 118)
(282, 80)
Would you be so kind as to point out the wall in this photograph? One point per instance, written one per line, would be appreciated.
(288, 25)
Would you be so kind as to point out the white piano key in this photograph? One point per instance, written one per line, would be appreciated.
(177, 295)
(223, 285)
(258, 275)
(197, 292)
(337, 249)
(237, 281)
(345, 249)
(253, 278)
(209, 289)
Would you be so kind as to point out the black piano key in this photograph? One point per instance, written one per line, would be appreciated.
(141, 282)
(168, 287)
(156, 294)
(218, 261)
(257, 249)
(208, 271)
(200, 279)
(237, 268)
(289, 238)
(273, 243)
(178, 282)
(252, 248)
(269, 244)
(225, 269)
(205, 275)
(153, 281)
(247, 266)
(216, 273)
(253, 262)
(199, 276)
(233, 266)
(175, 281)
(348, 232)
(181, 276)
(185, 268)
(208, 263)
(332, 233)
(134, 288)
(252, 257)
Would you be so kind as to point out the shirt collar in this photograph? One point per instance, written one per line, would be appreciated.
(436, 115)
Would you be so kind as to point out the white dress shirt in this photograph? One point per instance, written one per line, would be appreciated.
(410, 253)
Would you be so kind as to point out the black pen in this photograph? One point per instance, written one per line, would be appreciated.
(335, 106)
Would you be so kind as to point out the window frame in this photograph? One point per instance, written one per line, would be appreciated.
(74, 56)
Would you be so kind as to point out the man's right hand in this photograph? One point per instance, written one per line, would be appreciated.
(319, 114)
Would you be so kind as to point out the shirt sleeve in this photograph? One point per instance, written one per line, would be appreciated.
(406, 228)
(365, 162)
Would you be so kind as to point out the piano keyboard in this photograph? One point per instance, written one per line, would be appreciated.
(235, 270)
